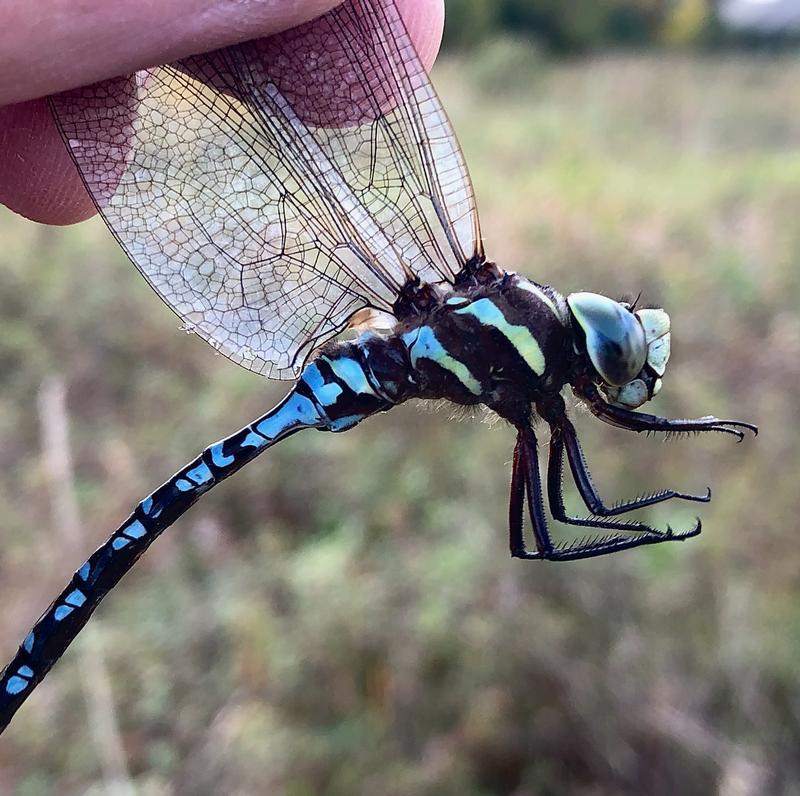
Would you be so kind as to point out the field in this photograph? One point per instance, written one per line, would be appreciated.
(343, 616)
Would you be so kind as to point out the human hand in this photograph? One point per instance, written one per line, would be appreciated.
(55, 45)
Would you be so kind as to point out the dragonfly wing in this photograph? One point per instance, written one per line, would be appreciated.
(269, 190)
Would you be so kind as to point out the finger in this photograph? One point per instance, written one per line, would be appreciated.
(38, 179)
(53, 45)
(46, 47)
(37, 176)
(425, 22)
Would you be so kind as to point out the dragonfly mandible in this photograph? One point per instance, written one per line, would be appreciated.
(279, 192)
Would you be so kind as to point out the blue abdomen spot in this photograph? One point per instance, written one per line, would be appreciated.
(135, 530)
(15, 685)
(27, 645)
(325, 392)
(272, 426)
(200, 474)
(253, 440)
(118, 542)
(218, 456)
(328, 394)
(312, 376)
(343, 423)
(76, 597)
(148, 507)
(296, 410)
(62, 612)
(303, 410)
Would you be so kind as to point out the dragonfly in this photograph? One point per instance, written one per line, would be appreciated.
(282, 192)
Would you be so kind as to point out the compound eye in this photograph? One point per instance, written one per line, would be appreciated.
(615, 339)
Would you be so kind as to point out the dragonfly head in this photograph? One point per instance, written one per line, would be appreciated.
(628, 348)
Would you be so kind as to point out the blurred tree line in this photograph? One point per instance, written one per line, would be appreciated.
(580, 25)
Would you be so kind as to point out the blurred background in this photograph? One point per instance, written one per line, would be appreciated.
(342, 617)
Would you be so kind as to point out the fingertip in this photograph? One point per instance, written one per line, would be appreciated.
(424, 20)
(38, 179)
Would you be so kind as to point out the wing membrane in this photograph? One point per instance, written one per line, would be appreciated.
(269, 190)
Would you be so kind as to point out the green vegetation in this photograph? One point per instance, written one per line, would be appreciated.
(342, 617)
(584, 24)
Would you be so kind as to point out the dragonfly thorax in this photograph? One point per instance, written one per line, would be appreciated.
(506, 344)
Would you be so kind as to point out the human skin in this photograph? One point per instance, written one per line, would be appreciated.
(54, 45)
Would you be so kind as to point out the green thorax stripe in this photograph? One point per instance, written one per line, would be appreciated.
(520, 337)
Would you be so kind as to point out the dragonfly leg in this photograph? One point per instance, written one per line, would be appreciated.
(526, 484)
(641, 421)
(563, 436)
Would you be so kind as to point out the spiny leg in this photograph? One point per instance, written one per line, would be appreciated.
(526, 481)
(516, 502)
(520, 487)
(556, 498)
(565, 436)
(555, 495)
(641, 421)
(614, 543)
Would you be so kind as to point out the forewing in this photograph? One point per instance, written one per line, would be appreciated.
(269, 190)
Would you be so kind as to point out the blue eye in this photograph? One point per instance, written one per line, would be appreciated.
(615, 340)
